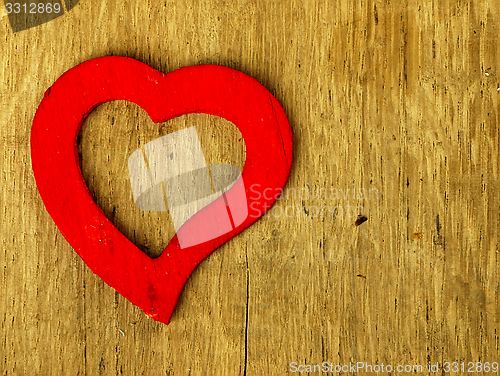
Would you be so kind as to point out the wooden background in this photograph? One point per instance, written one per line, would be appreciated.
(402, 97)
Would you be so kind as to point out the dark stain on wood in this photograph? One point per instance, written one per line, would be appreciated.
(361, 219)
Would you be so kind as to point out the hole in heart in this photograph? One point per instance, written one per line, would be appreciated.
(107, 140)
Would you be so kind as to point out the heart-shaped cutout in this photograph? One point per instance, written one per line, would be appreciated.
(104, 159)
(155, 285)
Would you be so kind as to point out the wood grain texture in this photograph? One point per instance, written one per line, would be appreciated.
(397, 96)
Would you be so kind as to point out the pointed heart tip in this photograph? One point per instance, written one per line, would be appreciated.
(165, 319)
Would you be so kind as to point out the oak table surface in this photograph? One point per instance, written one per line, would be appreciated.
(396, 100)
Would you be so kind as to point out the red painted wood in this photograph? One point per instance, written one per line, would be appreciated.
(154, 285)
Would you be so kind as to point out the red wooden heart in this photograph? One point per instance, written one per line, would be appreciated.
(154, 285)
